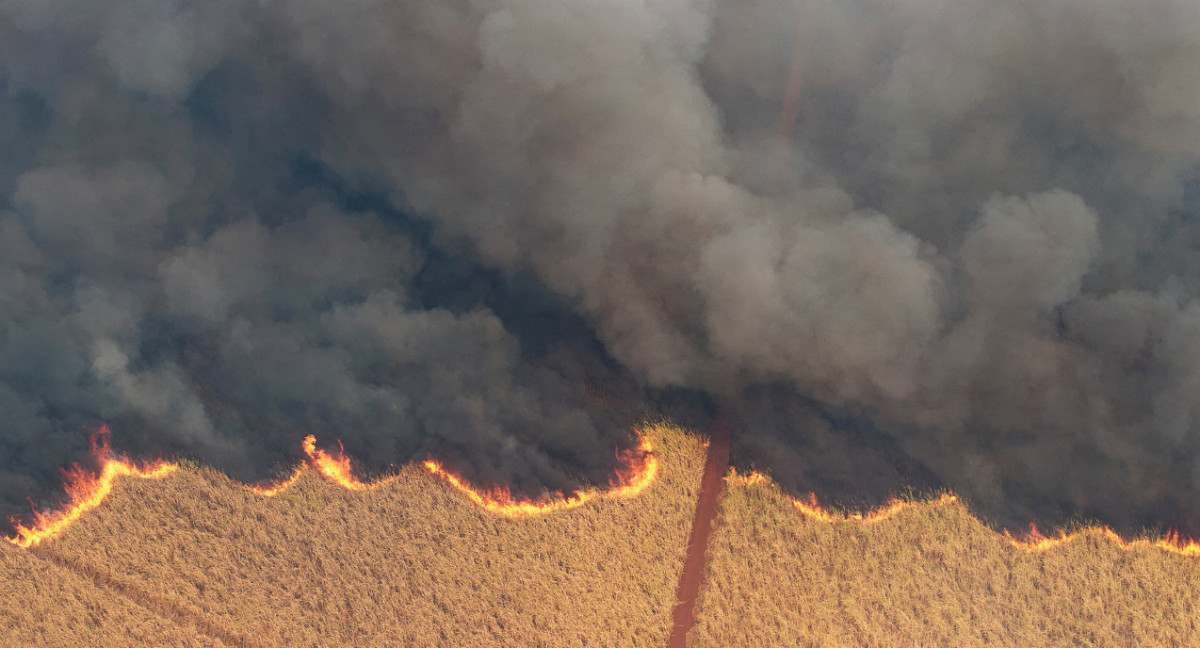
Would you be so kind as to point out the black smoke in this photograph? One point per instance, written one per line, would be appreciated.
(501, 231)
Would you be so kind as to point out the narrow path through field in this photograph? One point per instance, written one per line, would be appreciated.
(706, 509)
(165, 608)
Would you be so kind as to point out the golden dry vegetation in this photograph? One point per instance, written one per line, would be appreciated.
(196, 557)
(197, 560)
(43, 603)
(929, 577)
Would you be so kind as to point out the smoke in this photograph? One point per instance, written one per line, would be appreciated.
(469, 226)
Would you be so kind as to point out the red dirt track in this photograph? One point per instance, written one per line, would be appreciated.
(706, 509)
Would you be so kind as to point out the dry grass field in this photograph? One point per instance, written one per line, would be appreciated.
(196, 559)
(46, 604)
(929, 577)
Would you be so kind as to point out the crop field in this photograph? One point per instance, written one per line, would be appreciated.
(929, 576)
(197, 559)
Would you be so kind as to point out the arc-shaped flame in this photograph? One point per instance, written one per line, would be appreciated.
(334, 466)
(271, 489)
(86, 490)
(640, 469)
(1033, 542)
(1172, 542)
(813, 509)
(749, 479)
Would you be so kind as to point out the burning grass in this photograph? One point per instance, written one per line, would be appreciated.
(790, 573)
(192, 558)
(86, 490)
(414, 563)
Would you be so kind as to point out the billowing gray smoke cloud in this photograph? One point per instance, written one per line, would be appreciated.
(175, 264)
(980, 241)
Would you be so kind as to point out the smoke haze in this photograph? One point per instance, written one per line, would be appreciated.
(469, 227)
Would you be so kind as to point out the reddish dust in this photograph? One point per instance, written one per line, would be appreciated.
(692, 577)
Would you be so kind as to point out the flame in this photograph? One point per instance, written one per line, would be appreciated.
(86, 490)
(1172, 542)
(1033, 542)
(641, 467)
(333, 466)
(274, 488)
(336, 467)
(813, 509)
(747, 480)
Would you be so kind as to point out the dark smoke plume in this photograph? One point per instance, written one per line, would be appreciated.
(500, 230)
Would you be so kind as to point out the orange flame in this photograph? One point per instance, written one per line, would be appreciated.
(1171, 542)
(1033, 542)
(641, 467)
(274, 488)
(813, 510)
(333, 466)
(336, 467)
(86, 490)
(747, 480)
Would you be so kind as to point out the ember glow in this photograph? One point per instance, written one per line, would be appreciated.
(640, 469)
(86, 490)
